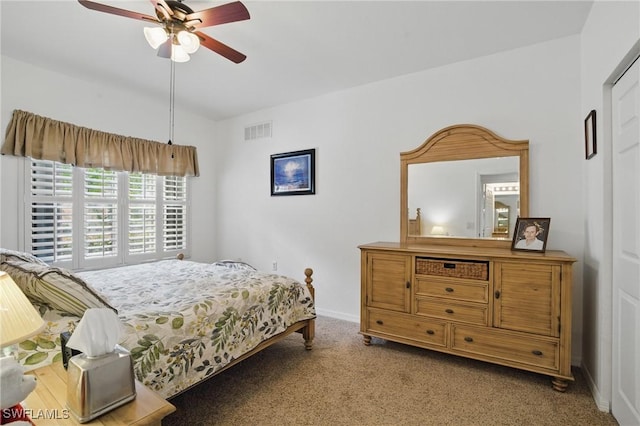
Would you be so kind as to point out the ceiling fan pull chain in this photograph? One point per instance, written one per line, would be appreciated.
(172, 88)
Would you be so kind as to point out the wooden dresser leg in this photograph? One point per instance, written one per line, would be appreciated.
(367, 340)
(559, 384)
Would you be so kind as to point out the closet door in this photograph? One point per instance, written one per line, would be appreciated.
(625, 401)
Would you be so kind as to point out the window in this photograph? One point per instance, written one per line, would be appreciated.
(84, 218)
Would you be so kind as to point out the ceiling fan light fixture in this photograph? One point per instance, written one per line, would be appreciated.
(155, 36)
(178, 54)
(189, 41)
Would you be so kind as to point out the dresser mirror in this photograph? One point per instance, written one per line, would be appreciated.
(464, 186)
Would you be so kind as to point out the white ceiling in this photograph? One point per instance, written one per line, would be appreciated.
(295, 49)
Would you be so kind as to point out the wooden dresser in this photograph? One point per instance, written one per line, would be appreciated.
(490, 304)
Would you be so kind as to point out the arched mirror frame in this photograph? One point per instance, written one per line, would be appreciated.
(462, 142)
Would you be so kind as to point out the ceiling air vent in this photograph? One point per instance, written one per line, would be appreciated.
(257, 131)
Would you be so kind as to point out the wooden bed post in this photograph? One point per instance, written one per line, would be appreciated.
(309, 331)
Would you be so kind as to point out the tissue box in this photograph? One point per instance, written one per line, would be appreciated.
(96, 385)
(67, 352)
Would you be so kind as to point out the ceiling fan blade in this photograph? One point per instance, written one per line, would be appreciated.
(117, 11)
(230, 12)
(220, 48)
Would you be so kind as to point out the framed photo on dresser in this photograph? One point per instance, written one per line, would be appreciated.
(530, 234)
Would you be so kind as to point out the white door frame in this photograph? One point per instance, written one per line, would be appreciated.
(624, 397)
(601, 376)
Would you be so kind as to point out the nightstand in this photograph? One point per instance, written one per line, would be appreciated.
(47, 403)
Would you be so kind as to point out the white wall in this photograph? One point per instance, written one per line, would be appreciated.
(108, 109)
(530, 93)
(609, 38)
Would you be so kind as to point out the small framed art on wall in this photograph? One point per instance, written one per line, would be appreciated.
(590, 145)
(293, 173)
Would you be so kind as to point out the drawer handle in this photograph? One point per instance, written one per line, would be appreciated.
(497, 294)
(448, 290)
(468, 339)
(449, 311)
(379, 322)
(431, 332)
(408, 284)
(537, 352)
(449, 265)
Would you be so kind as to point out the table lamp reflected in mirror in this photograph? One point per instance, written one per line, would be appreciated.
(438, 230)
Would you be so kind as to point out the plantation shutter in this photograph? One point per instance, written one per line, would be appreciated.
(174, 203)
(87, 218)
(100, 213)
(51, 206)
(142, 213)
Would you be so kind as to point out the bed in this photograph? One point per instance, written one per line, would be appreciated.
(183, 323)
(415, 225)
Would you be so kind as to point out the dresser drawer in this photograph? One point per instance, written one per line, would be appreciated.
(469, 269)
(506, 346)
(453, 289)
(406, 326)
(452, 311)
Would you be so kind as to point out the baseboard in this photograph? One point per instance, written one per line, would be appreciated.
(338, 315)
(576, 360)
(602, 403)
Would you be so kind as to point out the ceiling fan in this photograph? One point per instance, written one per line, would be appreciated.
(179, 33)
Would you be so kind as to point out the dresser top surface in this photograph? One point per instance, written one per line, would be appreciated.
(463, 251)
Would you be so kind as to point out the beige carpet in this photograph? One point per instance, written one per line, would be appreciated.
(343, 382)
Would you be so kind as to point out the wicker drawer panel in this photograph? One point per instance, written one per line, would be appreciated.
(453, 268)
(406, 326)
(460, 290)
(507, 346)
(452, 311)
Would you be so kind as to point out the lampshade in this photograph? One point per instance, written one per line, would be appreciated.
(165, 50)
(178, 54)
(438, 230)
(189, 41)
(155, 36)
(18, 318)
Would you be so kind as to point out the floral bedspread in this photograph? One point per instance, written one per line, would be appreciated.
(184, 320)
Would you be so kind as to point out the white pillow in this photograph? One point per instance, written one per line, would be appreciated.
(235, 264)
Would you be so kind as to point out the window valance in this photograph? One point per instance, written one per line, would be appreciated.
(41, 138)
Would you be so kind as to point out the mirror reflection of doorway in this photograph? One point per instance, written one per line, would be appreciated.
(501, 220)
(499, 205)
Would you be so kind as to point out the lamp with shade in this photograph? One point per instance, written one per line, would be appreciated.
(19, 320)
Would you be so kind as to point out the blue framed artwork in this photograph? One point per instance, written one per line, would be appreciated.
(293, 173)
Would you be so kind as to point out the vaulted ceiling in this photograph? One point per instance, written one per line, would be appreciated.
(295, 49)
